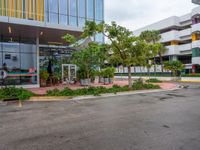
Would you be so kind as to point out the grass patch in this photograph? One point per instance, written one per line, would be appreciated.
(7, 93)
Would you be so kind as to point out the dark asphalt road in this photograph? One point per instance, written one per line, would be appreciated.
(156, 121)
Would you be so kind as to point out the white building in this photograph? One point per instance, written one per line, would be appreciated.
(181, 36)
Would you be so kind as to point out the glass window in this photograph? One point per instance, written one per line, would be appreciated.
(196, 52)
(90, 9)
(0, 8)
(11, 47)
(28, 68)
(20, 62)
(81, 22)
(47, 10)
(25, 10)
(81, 12)
(81, 8)
(73, 13)
(12, 67)
(27, 48)
(63, 12)
(11, 61)
(53, 5)
(99, 10)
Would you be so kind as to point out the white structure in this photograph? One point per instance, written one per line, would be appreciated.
(181, 36)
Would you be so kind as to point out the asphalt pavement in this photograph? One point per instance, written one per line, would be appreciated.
(154, 121)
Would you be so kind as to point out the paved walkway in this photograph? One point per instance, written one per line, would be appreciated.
(43, 90)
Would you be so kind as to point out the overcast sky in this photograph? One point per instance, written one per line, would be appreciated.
(134, 14)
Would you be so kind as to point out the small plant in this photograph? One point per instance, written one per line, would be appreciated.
(153, 80)
(14, 93)
(139, 85)
(43, 77)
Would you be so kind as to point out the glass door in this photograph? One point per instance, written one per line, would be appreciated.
(68, 73)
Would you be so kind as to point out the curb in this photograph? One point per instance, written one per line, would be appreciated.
(48, 98)
(189, 81)
(67, 98)
(121, 94)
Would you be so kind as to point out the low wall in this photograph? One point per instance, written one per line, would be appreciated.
(184, 79)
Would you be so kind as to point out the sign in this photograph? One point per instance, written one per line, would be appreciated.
(3, 74)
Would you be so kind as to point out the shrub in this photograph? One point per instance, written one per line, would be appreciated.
(191, 75)
(139, 85)
(44, 75)
(154, 80)
(14, 93)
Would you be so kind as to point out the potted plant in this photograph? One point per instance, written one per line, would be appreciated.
(105, 74)
(100, 74)
(82, 76)
(111, 74)
(43, 78)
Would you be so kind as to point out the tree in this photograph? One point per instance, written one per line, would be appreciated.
(89, 58)
(152, 37)
(173, 66)
(127, 49)
(162, 49)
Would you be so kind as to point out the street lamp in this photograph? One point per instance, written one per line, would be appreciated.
(196, 2)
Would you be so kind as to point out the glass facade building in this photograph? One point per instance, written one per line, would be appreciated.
(18, 59)
(21, 56)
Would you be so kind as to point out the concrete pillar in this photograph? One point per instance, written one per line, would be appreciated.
(38, 59)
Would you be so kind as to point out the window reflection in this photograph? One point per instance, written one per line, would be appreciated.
(63, 12)
(81, 7)
(90, 9)
(73, 13)
(46, 10)
(53, 9)
(99, 10)
(82, 12)
(19, 60)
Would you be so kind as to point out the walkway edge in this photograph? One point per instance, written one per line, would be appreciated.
(64, 98)
(122, 94)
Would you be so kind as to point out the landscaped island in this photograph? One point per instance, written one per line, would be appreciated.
(23, 94)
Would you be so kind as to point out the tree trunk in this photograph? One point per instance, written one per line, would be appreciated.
(161, 62)
(148, 70)
(154, 66)
(129, 77)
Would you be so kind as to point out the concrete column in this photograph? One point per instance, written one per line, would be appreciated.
(38, 59)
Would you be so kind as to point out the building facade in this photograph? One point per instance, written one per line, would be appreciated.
(196, 2)
(31, 31)
(181, 36)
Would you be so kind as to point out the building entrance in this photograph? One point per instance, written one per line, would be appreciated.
(56, 57)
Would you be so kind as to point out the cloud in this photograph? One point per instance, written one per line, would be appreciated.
(135, 14)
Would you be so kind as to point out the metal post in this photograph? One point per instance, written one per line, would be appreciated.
(38, 59)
